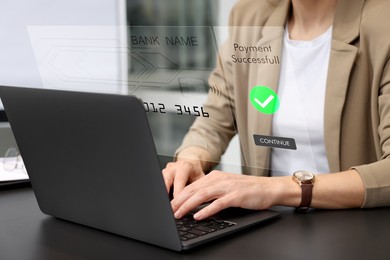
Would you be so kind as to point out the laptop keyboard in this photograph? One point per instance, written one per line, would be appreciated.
(190, 228)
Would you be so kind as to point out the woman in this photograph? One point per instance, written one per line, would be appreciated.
(354, 142)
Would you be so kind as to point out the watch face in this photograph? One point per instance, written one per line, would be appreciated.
(304, 176)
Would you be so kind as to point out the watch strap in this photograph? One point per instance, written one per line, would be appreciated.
(307, 192)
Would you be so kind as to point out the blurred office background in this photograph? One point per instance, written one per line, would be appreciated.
(19, 65)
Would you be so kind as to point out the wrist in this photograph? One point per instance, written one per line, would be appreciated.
(287, 192)
(197, 156)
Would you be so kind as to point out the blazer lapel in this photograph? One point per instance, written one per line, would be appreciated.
(266, 75)
(342, 57)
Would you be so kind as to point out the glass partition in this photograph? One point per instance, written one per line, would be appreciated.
(165, 56)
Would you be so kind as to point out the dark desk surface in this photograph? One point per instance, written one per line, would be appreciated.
(26, 233)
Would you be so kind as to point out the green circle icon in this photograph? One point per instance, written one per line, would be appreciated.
(264, 99)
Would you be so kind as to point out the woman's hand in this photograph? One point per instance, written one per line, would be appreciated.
(179, 174)
(225, 190)
(190, 166)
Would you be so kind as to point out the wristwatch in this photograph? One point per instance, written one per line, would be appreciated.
(306, 180)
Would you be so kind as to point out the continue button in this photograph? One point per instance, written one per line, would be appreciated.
(275, 142)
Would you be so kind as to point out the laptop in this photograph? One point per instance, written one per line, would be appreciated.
(91, 160)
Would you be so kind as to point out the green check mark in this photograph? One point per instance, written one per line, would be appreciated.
(264, 100)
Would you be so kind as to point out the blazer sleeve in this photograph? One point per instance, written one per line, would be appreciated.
(376, 176)
(213, 133)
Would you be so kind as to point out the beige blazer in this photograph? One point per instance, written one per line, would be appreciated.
(357, 101)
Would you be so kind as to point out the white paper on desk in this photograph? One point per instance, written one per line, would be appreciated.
(14, 175)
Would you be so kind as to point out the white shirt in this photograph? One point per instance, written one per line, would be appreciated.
(301, 91)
